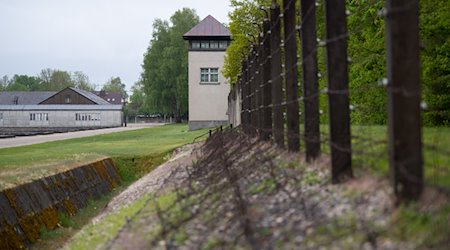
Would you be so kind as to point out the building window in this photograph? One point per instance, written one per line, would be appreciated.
(195, 44)
(214, 44)
(87, 117)
(38, 117)
(209, 44)
(209, 75)
(214, 75)
(1, 116)
(205, 44)
(223, 44)
(68, 99)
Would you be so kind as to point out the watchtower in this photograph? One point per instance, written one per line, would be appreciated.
(208, 88)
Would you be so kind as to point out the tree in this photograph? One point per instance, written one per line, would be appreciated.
(60, 80)
(81, 81)
(24, 83)
(46, 77)
(435, 36)
(114, 84)
(367, 50)
(244, 24)
(4, 83)
(137, 99)
(47, 80)
(164, 75)
(55, 80)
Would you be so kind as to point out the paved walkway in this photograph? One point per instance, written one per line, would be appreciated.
(29, 140)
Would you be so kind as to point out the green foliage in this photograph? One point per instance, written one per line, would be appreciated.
(114, 84)
(165, 66)
(65, 220)
(132, 168)
(429, 228)
(4, 83)
(368, 53)
(48, 80)
(137, 104)
(366, 48)
(57, 238)
(435, 36)
(46, 234)
(267, 185)
(56, 80)
(244, 27)
(97, 235)
(81, 81)
(23, 83)
(311, 178)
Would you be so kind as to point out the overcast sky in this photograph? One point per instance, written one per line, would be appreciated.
(102, 38)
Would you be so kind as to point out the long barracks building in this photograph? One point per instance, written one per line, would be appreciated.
(69, 107)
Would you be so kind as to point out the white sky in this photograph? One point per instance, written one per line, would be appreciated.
(102, 38)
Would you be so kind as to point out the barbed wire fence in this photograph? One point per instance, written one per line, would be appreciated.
(272, 107)
(244, 191)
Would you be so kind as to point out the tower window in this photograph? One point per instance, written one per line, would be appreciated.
(195, 44)
(209, 75)
(209, 44)
(205, 44)
(223, 44)
(214, 44)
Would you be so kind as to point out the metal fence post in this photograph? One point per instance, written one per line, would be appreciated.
(338, 96)
(253, 92)
(260, 80)
(290, 69)
(245, 97)
(276, 77)
(267, 83)
(310, 81)
(405, 135)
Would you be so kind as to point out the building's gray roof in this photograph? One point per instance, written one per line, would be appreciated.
(208, 27)
(24, 98)
(37, 97)
(111, 97)
(57, 107)
(91, 96)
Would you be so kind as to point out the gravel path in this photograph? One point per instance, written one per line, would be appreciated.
(29, 140)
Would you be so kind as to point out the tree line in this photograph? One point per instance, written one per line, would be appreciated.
(366, 47)
(163, 88)
(56, 80)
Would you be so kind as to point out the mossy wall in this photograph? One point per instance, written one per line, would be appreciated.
(27, 208)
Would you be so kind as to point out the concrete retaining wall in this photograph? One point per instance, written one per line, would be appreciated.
(27, 208)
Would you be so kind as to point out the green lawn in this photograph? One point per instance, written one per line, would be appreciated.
(370, 149)
(21, 164)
